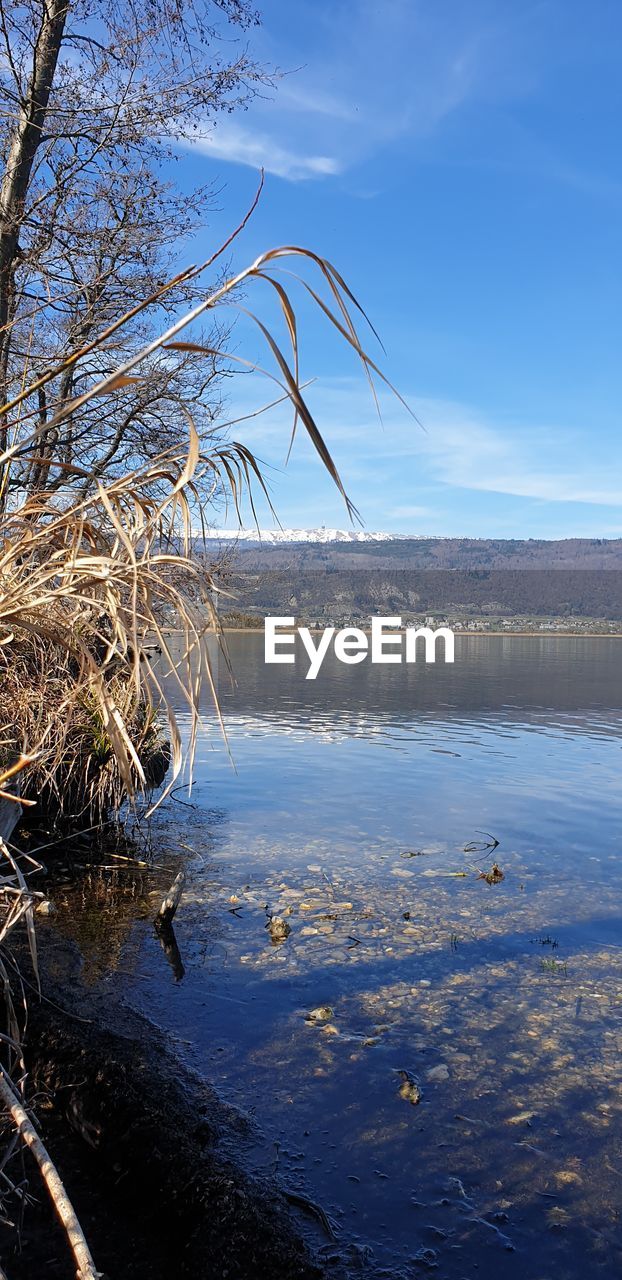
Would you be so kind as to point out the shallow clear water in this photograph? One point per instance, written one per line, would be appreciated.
(357, 811)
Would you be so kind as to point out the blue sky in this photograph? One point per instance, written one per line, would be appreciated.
(460, 163)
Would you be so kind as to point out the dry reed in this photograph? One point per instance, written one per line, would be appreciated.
(84, 583)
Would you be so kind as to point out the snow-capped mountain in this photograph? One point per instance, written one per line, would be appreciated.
(301, 535)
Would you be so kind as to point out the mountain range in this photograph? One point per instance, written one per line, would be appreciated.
(280, 536)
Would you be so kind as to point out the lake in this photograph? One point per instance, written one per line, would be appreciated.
(362, 808)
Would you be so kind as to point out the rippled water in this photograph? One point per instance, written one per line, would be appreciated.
(359, 810)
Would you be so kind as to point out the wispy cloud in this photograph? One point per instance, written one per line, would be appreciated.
(238, 145)
(371, 74)
(461, 449)
(467, 452)
(362, 78)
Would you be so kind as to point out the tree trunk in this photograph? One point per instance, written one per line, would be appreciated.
(26, 138)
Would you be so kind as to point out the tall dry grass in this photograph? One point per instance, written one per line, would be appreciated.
(84, 584)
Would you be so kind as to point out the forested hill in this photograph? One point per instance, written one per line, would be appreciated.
(425, 553)
(458, 580)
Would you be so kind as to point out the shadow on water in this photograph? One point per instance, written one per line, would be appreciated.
(515, 1144)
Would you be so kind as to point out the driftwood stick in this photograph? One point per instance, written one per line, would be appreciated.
(86, 1269)
(171, 902)
(302, 1202)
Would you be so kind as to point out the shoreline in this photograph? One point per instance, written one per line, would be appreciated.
(146, 1149)
(471, 635)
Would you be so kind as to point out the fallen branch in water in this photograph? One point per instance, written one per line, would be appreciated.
(86, 1269)
(164, 925)
(171, 902)
(309, 1206)
(474, 847)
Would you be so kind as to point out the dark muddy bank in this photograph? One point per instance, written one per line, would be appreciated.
(146, 1151)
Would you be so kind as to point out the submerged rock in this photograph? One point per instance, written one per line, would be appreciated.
(410, 1089)
(323, 1013)
(441, 1072)
(279, 929)
(426, 1258)
(45, 908)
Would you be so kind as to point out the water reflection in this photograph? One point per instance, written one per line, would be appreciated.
(548, 682)
(354, 814)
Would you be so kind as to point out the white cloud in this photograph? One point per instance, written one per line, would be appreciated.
(461, 448)
(467, 452)
(372, 74)
(238, 145)
(392, 74)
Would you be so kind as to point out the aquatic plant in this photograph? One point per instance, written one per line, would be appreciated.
(549, 964)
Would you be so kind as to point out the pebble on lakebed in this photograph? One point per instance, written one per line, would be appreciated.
(279, 929)
(45, 908)
(410, 1089)
(435, 1074)
(323, 1013)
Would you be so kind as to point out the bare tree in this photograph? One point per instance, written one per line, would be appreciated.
(94, 100)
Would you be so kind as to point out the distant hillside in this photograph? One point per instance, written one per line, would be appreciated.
(425, 553)
(456, 580)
